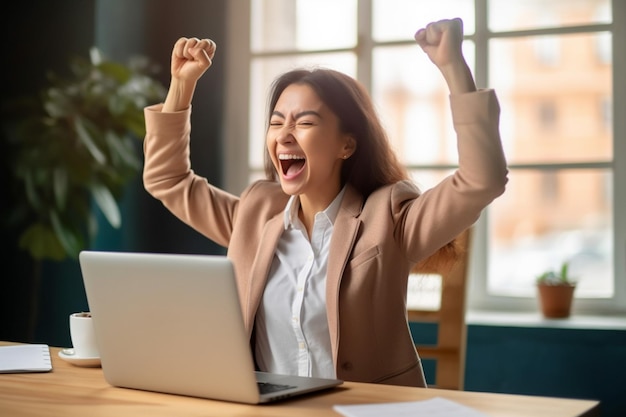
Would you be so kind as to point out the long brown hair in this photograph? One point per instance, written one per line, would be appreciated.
(374, 163)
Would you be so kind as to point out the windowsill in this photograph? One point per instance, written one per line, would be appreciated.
(524, 319)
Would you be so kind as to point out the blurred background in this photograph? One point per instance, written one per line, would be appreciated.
(557, 67)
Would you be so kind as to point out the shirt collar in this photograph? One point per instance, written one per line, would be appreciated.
(290, 213)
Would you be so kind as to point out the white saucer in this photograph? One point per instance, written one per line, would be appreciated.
(69, 356)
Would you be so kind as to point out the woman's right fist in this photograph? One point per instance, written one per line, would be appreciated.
(191, 57)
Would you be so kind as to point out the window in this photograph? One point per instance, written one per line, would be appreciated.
(547, 114)
(553, 64)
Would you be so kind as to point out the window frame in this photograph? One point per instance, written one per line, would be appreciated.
(236, 133)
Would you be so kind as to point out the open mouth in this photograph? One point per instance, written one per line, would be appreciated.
(291, 164)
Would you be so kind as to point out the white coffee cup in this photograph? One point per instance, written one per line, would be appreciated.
(83, 337)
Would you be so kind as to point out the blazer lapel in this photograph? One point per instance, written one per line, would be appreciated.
(260, 268)
(345, 231)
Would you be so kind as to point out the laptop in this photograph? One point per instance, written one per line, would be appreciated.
(172, 323)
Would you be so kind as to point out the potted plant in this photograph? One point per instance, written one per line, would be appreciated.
(556, 292)
(75, 145)
(71, 150)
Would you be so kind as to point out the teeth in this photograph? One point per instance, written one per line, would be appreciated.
(284, 157)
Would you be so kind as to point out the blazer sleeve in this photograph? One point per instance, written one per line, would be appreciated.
(167, 176)
(440, 214)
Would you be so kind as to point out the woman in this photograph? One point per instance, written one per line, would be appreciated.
(323, 248)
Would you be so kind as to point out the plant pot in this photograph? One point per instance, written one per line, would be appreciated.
(556, 300)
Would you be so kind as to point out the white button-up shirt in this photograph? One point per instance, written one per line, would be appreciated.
(291, 326)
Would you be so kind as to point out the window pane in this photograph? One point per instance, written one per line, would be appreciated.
(426, 179)
(303, 24)
(424, 292)
(532, 14)
(413, 102)
(263, 71)
(545, 218)
(555, 94)
(395, 20)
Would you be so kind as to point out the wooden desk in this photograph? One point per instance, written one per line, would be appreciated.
(70, 391)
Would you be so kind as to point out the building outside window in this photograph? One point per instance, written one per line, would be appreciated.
(553, 64)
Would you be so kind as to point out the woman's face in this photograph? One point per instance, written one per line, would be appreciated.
(306, 145)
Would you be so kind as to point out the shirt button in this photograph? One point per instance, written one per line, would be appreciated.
(346, 366)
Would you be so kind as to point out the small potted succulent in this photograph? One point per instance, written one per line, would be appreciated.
(556, 292)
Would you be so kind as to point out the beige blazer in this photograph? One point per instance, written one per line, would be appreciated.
(375, 242)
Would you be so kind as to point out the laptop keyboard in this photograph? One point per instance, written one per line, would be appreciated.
(268, 387)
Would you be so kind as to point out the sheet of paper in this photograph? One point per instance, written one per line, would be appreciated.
(434, 407)
(25, 358)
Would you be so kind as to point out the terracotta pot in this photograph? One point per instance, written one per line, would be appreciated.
(556, 300)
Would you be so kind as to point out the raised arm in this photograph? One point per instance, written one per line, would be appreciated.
(167, 173)
(191, 57)
(444, 211)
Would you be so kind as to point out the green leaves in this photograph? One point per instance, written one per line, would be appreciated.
(41, 242)
(60, 184)
(88, 141)
(74, 148)
(105, 200)
(561, 277)
(69, 239)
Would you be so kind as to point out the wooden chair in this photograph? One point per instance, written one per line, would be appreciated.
(449, 350)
